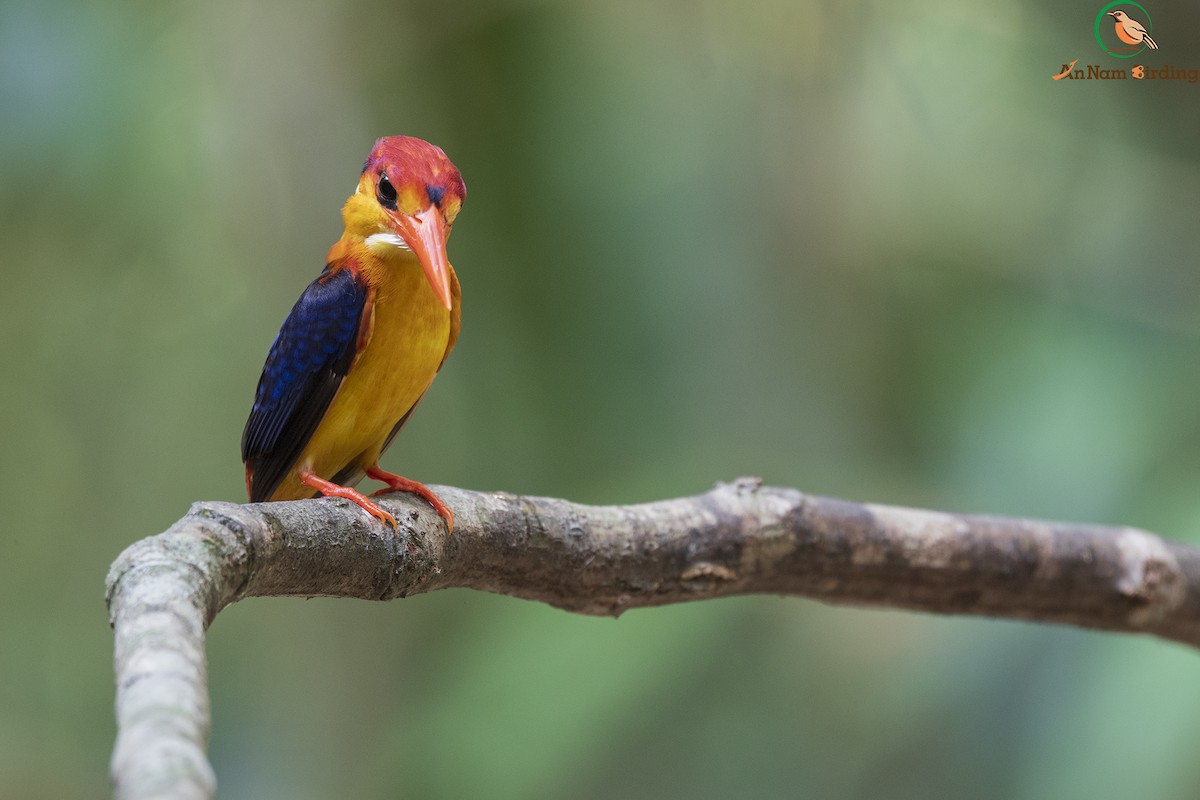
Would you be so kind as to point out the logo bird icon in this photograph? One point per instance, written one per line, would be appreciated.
(1130, 31)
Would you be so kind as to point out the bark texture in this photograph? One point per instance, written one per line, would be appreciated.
(739, 538)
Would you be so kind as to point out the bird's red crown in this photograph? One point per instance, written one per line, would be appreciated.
(419, 172)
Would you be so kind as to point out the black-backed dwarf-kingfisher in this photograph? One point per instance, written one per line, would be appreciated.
(366, 338)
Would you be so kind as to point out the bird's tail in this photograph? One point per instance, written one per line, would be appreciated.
(1149, 42)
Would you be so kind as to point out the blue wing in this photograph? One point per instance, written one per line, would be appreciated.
(308, 360)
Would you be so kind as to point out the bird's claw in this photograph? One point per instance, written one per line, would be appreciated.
(384, 517)
(330, 489)
(397, 483)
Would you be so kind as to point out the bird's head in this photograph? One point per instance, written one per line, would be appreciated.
(406, 201)
(1120, 16)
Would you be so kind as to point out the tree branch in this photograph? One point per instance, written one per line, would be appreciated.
(739, 538)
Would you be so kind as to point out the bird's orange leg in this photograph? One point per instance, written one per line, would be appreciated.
(331, 489)
(396, 483)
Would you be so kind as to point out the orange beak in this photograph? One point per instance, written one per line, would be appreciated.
(425, 234)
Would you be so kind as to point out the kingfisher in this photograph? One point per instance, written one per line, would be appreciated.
(365, 340)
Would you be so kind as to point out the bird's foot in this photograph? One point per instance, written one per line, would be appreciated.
(331, 489)
(396, 483)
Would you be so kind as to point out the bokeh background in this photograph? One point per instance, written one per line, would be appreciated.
(866, 249)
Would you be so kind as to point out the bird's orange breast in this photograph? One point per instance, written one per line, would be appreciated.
(1125, 37)
(408, 337)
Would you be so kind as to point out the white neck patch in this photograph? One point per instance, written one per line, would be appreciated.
(379, 241)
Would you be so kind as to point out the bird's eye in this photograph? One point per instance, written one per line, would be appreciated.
(386, 192)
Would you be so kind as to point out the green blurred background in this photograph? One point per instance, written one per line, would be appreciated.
(867, 249)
